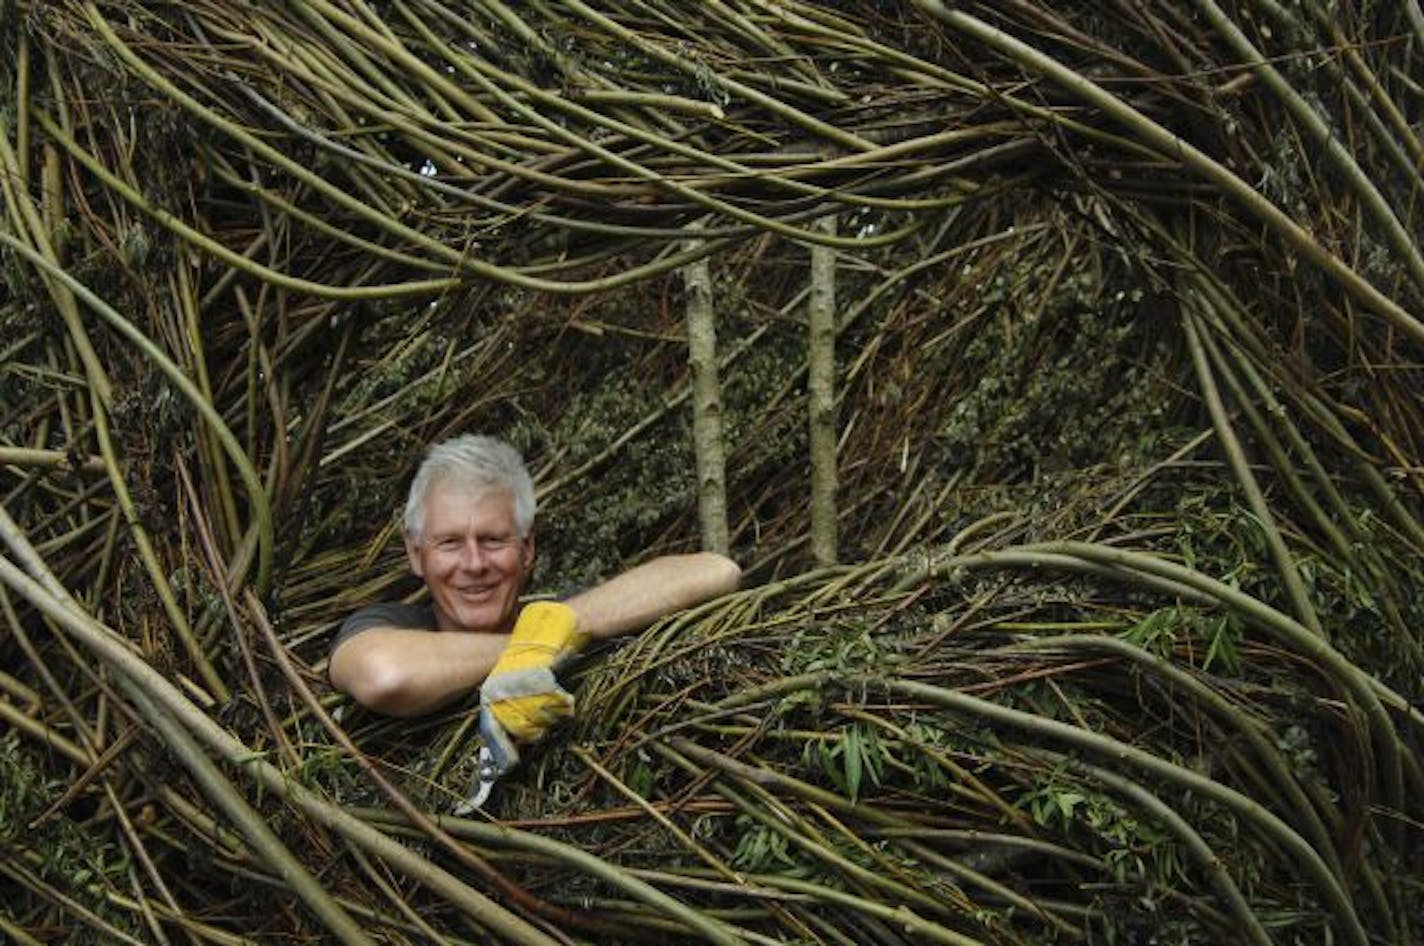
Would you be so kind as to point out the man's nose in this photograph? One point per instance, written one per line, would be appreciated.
(472, 556)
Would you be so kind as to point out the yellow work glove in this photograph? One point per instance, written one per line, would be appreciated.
(521, 692)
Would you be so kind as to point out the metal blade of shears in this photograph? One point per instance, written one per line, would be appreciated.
(496, 756)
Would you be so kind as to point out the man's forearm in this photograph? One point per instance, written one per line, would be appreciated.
(641, 595)
(403, 672)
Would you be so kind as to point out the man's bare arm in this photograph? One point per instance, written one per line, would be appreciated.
(403, 672)
(646, 592)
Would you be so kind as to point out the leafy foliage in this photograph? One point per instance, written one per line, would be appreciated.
(1072, 619)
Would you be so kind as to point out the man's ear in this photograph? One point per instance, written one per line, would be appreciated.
(527, 552)
(412, 554)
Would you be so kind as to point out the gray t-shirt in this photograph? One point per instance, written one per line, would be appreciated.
(415, 617)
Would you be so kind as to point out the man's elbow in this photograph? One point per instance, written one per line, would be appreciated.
(722, 574)
(380, 685)
(731, 574)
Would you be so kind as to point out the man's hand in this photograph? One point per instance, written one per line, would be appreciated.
(521, 692)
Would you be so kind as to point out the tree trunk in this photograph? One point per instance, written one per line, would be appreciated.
(821, 389)
(706, 405)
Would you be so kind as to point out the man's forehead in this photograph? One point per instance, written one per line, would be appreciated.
(461, 499)
(460, 489)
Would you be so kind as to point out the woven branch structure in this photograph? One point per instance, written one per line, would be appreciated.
(1129, 345)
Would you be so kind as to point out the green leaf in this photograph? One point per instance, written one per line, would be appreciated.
(1067, 802)
(854, 761)
(1222, 635)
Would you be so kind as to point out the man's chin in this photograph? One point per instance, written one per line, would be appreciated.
(478, 619)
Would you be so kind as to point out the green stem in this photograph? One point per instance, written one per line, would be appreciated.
(11, 867)
(253, 827)
(664, 181)
(1236, 458)
(1252, 812)
(47, 459)
(838, 863)
(256, 492)
(1205, 857)
(1319, 133)
(27, 218)
(1294, 803)
(236, 260)
(48, 595)
(498, 835)
(791, 115)
(768, 778)
(1173, 147)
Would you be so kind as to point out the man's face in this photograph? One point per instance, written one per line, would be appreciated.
(471, 557)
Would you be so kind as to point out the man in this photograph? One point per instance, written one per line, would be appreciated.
(469, 535)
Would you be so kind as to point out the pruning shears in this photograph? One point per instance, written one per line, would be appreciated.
(497, 755)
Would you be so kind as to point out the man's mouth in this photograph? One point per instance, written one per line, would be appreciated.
(477, 593)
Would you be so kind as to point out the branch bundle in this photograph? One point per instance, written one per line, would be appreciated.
(1128, 449)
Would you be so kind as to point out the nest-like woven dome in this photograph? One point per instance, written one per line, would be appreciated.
(1120, 638)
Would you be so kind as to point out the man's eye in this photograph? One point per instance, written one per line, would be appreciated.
(448, 545)
(497, 542)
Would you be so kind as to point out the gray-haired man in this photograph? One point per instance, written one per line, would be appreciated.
(469, 534)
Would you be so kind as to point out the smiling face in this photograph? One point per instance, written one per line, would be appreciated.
(472, 557)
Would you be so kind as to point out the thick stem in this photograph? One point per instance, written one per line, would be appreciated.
(1319, 133)
(256, 493)
(706, 405)
(48, 596)
(1241, 467)
(1171, 146)
(1249, 811)
(821, 395)
(254, 828)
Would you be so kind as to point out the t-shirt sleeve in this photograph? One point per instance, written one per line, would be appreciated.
(416, 617)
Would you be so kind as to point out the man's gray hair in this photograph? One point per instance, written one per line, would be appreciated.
(477, 463)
